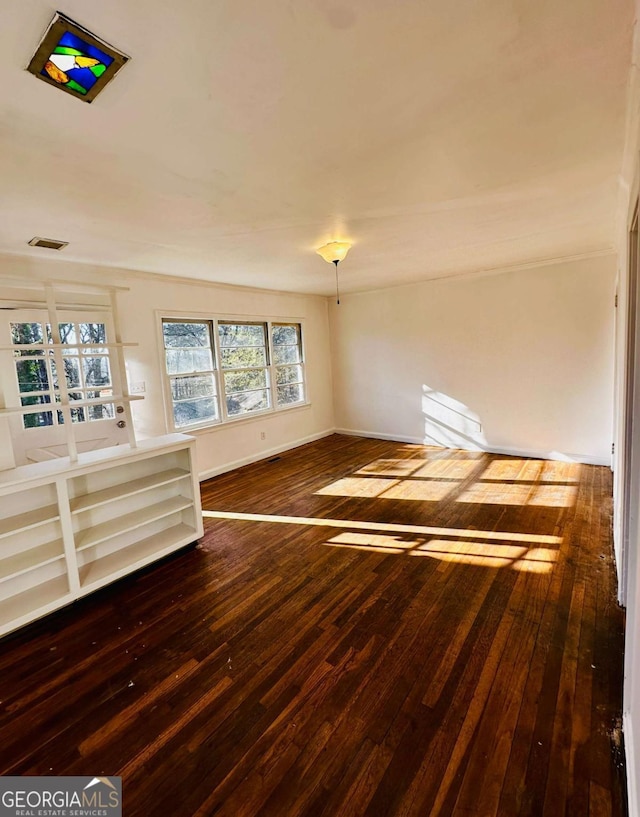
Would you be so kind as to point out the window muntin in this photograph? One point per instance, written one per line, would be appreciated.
(190, 365)
(87, 371)
(256, 366)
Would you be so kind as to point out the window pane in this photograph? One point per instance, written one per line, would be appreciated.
(35, 400)
(43, 418)
(23, 333)
(241, 334)
(91, 333)
(192, 412)
(243, 357)
(246, 402)
(77, 415)
(186, 388)
(286, 354)
(68, 333)
(96, 371)
(188, 349)
(178, 335)
(71, 370)
(189, 360)
(104, 411)
(37, 420)
(285, 334)
(32, 375)
(293, 393)
(94, 351)
(288, 374)
(94, 395)
(245, 381)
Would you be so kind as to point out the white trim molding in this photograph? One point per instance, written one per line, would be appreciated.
(262, 455)
(587, 459)
(629, 751)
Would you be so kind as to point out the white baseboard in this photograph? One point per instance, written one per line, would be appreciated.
(587, 459)
(632, 783)
(374, 435)
(351, 432)
(262, 455)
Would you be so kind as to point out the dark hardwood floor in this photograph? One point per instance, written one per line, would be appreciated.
(367, 628)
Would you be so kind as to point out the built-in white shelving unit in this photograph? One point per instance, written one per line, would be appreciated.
(76, 522)
(68, 528)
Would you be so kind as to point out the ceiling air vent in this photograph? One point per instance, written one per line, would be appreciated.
(48, 243)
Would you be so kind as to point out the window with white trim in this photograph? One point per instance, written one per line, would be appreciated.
(220, 370)
(87, 372)
(245, 367)
(189, 362)
(287, 359)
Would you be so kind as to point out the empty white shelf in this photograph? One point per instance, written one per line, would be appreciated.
(131, 521)
(30, 559)
(34, 602)
(137, 555)
(136, 486)
(28, 519)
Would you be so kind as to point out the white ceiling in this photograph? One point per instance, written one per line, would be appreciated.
(439, 137)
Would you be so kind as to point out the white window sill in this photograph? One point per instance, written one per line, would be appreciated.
(262, 415)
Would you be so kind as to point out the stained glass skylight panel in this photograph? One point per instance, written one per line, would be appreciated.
(75, 60)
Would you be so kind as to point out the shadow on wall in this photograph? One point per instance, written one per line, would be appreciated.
(449, 423)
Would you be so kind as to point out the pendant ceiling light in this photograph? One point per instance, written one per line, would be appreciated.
(333, 253)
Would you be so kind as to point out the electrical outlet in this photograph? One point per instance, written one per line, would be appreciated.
(263, 435)
(139, 387)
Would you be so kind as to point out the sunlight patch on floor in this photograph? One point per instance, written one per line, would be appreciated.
(500, 493)
(450, 468)
(432, 491)
(554, 496)
(390, 468)
(532, 471)
(390, 527)
(503, 482)
(368, 487)
(379, 488)
(536, 560)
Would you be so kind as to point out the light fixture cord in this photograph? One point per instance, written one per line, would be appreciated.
(337, 287)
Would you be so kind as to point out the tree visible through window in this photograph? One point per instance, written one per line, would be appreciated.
(190, 366)
(287, 357)
(243, 353)
(87, 371)
(256, 366)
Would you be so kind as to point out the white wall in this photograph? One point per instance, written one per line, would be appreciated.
(515, 362)
(226, 446)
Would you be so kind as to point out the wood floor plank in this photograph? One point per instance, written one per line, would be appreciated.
(366, 629)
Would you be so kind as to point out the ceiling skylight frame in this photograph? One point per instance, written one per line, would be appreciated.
(60, 25)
